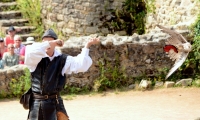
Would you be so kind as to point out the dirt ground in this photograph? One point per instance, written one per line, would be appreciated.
(159, 104)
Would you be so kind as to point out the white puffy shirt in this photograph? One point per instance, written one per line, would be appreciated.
(35, 52)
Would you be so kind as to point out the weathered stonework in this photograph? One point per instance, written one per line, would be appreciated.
(7, 75)
(179, 14)
(136, 55)
(82, 17)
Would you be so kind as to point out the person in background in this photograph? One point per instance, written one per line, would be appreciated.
(10, 37)
(29, 41)
(49, 69)
(18, 44)
(2, 50)
(2, 47)
(10, 58)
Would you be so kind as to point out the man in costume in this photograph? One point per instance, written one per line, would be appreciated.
(48, 69)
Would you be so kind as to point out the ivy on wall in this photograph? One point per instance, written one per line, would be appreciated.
(17, 86)
(112, 76)
(191, 67)
(129, 18)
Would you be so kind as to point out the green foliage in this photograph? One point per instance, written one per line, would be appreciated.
(18, 86)
(2, 34)
(7, 0)
(196, 42)
(196, 83)
(9, 8)
(131, 17)
(69, 89)
(150, 6)
(31, 10)
(111, 75)
(3, 94)
(191, 67)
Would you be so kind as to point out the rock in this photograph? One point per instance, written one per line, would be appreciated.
(169, 84)
(132, 86)
(184, 82)
(158, 84)
(144, 84)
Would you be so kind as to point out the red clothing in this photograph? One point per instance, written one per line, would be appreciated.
(1, 54)
(8, 40)
(22, 53)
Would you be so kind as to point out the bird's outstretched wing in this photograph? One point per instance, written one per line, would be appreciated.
(172, 52)
(177, 64)
(175, 38)
(174, 48)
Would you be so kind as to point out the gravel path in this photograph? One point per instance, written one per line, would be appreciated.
(159, 104)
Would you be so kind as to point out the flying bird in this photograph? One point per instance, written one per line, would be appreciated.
(177, 48)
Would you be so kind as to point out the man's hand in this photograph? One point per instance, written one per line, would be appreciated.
(92, 41)
(54, 43)
(57, 42)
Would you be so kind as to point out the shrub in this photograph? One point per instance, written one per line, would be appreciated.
(31, 10)
(18, 86)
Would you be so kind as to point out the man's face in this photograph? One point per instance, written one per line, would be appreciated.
(51, 49)
(11, 33)
(10, 48)
(1, 43)
(18, 42)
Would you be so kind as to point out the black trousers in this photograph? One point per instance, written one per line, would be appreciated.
(46, 109)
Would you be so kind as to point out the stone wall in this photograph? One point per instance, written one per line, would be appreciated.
(135, 56)
(81, 17)
(7, 75)
(177, 13)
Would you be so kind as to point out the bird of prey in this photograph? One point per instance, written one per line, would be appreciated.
(177, 48)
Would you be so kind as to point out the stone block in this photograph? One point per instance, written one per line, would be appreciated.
(159, 84)
(184, 82)
(60, 17)
(61, 24)
(91, 30)
(144, 84)
(169, 84)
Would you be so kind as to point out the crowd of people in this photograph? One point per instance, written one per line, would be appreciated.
(12, 50)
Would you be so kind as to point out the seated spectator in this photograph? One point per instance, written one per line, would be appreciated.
(10, 37)
(18, 44)
(2, 50)
(10, 58)
(29, 41)
(2, 47)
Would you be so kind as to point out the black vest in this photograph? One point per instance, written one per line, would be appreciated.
(47, 78)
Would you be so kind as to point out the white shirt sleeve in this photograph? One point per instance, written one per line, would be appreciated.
(79, 63)
(35, 52)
